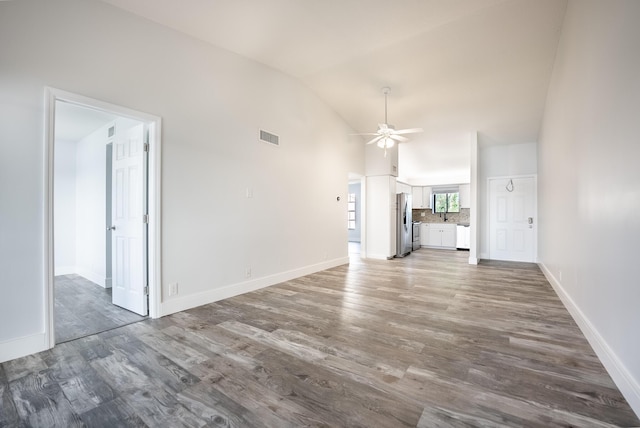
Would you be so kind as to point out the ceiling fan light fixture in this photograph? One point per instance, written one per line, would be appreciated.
(386, 143)
(387, 135)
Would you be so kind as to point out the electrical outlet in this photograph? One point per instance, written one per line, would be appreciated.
(247, 273)
(422, 214)
(249, 192)
(173, 289)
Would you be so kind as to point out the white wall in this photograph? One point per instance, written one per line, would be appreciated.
(499, 161)
(589, 181)
(212, 103)
(65, 207)
(91, 206)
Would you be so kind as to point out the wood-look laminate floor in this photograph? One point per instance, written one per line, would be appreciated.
(425, 341)
(83, 308)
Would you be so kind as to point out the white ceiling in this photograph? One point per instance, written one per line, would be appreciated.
(454, 66)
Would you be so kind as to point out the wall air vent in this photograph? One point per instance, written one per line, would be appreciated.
(270, 138)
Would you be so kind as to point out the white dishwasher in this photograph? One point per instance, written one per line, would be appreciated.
(463, 236)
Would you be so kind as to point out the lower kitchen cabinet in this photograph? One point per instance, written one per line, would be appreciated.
(439, 235)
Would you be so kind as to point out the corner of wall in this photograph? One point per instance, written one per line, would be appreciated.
(624, 380)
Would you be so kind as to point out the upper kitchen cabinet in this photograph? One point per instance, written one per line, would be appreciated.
(465, 195)
(403, 188)
(421, 197)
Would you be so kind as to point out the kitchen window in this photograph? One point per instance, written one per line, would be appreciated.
(446, 202)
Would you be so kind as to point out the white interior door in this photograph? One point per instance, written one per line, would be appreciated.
(512, 206)
(129, 230)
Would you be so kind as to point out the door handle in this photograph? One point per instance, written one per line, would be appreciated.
(111, 228)
(530, 220)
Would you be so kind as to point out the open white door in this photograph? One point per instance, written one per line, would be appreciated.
(129, 227)
(512, 206)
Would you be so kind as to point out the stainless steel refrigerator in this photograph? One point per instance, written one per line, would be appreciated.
(404, 227)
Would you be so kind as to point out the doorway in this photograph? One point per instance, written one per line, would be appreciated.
(512, 218)
(354, 215)
(103, 234)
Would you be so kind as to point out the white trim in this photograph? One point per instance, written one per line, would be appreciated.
(377, 256)
(535, 212)
(64, 270)
(173, 305)
(49, 266)
(92, 276)
(473, 202)
(17, 348)
(154, 256)
(624, 380)
(363, 217)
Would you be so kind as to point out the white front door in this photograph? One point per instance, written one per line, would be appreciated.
(129, 230)
(512, 207)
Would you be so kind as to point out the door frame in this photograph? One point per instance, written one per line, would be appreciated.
(535, 211)
(154, 195)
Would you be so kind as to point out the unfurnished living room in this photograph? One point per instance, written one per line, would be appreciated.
(365, 213)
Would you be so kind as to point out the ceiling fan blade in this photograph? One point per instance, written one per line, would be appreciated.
(398, 138)
(408, 131)
(375, 139)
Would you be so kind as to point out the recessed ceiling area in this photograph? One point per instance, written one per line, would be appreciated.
(454, 66)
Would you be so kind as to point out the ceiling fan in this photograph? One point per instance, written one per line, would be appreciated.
(387, 135)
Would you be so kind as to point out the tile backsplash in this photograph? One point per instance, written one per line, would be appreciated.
(429, 217)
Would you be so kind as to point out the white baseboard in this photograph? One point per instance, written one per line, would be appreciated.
(628, 385)
(16, 348)
(377, 256)
(64, 270)
(91, 276)
(177, 304)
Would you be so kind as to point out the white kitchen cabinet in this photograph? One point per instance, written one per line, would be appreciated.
(463, 237)
(416, 197)
(440, 235)
(403, 187)
(424, 234)
(465, 195)
(426, 196)
(434, 239)
(421, 197)
(448, 237)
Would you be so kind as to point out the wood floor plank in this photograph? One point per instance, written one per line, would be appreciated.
(40, 401)
(9, 416)
(113, 414)
(427, 341)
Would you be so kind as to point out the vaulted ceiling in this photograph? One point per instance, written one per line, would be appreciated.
(454, 66)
